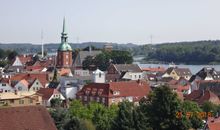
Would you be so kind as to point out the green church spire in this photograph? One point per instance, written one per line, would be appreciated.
(64, 26)
(64, 46)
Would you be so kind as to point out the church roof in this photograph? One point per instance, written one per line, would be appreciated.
(64, 46)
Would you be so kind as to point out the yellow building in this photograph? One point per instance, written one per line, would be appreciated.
(26, 98)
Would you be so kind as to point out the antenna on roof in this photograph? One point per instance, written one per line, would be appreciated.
(42, 44)
(151, 39)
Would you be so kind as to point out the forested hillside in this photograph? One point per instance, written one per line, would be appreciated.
(200, 52)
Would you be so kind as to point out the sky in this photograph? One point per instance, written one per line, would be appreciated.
(121, 21)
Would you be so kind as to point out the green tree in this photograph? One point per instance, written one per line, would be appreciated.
(55, 103)
(209, 107)
(103, 117)
(162, 108)
(194, 109)
(77, 109)
(78, 124)
(12, 55)
(89, 63)
(124, 119)
(60, 116)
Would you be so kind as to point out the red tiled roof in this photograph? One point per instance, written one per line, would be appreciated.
(25, 83)
(137, 89)
(47, 92)
(175, 84)
(64, 71)
(201, 96)
(25, 58)
(42, 77)
(5, 80)
(213, 123)
(26, 118)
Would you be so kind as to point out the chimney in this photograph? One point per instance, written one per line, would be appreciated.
(139, 82)
(203, 92)
(16, 92)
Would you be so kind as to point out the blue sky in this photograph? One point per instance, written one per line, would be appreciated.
(121, 21)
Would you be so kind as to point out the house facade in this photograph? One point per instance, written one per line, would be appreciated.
(15, 99)
(123, 72)
(114, 92)
(48, 94)
(177, 73)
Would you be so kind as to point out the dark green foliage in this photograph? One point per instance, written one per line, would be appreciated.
(89, 63)
(209, 107)
(88, 47)
(195, 121)
(101, 116)
(201, 52)
(55, 103)
(60, 116)
(162, 108)
(11, 54)
(103, 60)
(77, 124)
(124, 120)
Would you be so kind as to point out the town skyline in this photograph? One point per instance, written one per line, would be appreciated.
(109, 21)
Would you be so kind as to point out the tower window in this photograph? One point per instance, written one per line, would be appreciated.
(67, 56)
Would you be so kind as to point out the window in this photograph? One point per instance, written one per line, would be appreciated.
(12, 101)
(37, 83)
(30, 101)
(103, 100)
(21, 101)
(139, 76)
(113, 100)
(85, 98)
(97, 99)
(116, 92)
(100, 74)
(67, 62)
(67, 56)
(6, 91)
(3, 84)
(91, 98)
(34, 88)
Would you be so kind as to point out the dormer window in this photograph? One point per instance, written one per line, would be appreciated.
(116, 92)
(87, 92)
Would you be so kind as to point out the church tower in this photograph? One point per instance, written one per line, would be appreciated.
(64, 54)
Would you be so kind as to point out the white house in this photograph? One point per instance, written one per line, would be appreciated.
(5, 87)
(22, 85)
(133, 76)
(69, 87)
(98, 76)
(81, 72)
(17, 62)
(35, 86)
(48, 94)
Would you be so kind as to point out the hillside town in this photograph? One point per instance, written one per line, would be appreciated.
(29, 87)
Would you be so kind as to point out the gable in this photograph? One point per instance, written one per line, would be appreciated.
(17, 62)
(36, 84)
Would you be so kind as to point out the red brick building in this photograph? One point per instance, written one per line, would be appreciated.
(114, 92)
